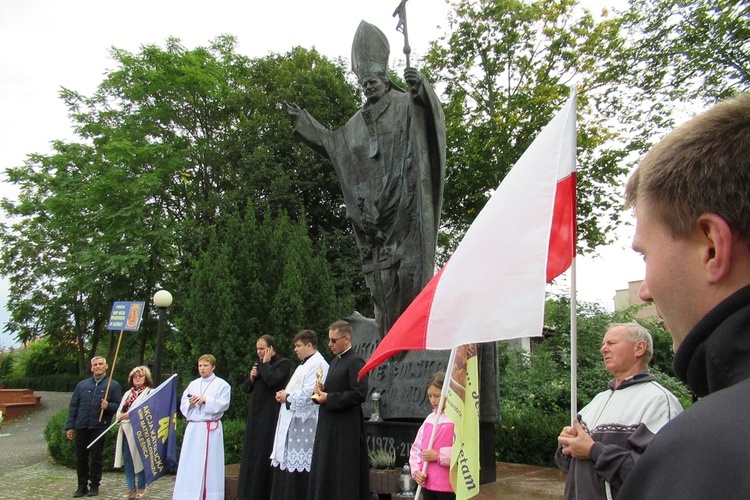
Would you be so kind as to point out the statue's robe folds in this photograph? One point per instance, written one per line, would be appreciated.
(390, 161)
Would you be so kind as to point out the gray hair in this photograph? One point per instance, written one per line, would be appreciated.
(99, 357)
(637, 333)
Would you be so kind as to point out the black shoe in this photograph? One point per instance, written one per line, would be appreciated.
(93, 491)
(80, 492)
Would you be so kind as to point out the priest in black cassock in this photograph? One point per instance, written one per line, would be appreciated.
(266, 378)
(340, 467)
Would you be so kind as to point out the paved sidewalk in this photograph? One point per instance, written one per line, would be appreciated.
(27, 471)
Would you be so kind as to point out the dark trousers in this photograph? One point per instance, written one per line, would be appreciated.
(92, 474)
(437, 495)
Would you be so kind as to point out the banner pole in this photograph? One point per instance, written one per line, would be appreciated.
(109, 380)
(102, 434)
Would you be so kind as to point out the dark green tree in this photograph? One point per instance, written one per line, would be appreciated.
(256, 277)
(85, 237)
(687, 50)
(676, 57)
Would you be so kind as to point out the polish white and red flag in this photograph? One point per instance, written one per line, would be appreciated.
(493, 287)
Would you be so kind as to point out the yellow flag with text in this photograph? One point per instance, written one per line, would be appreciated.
(462, 407)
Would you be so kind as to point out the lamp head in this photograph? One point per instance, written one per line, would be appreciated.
(162, 299)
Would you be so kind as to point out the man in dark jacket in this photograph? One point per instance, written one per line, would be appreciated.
(691, 195)
(89, 399)
(266, 378)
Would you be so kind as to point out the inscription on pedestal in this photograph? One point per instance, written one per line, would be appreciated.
(401, 381)
(396, 437)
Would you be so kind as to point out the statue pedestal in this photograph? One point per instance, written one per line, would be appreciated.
(401, 382)
(396, 436)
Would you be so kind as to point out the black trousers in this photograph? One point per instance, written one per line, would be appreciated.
(437, 495)
(89, 474)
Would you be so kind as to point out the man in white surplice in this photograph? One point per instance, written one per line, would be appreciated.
(200, 470)
(298, 419)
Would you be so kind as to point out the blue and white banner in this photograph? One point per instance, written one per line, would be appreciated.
(154, 424)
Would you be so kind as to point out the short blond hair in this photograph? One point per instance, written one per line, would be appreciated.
(343, 327)
(208, 357)
(701, 167)
(148, 381)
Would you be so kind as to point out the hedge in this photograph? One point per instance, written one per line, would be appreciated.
(528, 435)
(63, 451)
(53, 383)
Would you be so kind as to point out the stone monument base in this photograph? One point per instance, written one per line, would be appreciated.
(398, 435)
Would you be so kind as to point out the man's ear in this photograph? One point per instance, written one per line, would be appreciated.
(716, 253)
(640, 348)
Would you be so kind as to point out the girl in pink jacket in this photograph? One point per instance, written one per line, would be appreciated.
(435, 481)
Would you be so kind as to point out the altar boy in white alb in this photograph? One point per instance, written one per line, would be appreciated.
(200, 471)
(298, 419)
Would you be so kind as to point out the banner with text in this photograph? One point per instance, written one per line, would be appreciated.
(462, 407)
(155, 428)
(126, 316)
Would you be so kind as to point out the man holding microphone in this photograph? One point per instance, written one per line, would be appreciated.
(268, 376)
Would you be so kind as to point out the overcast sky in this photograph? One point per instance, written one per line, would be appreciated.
(50, 44)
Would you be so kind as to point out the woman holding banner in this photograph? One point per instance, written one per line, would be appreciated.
(126, 453)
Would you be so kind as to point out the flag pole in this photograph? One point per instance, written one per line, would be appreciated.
(573, 303)
(573, 345)
(438, 411)
(116, 422)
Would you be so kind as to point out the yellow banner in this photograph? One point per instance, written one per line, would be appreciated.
(462, 407)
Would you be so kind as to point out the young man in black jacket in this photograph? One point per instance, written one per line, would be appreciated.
(691, 195)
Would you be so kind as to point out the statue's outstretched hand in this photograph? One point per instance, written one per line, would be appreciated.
(292, 109)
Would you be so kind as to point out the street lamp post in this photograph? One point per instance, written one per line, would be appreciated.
(162, 300)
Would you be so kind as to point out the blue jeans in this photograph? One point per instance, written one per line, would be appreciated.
(127, 465)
